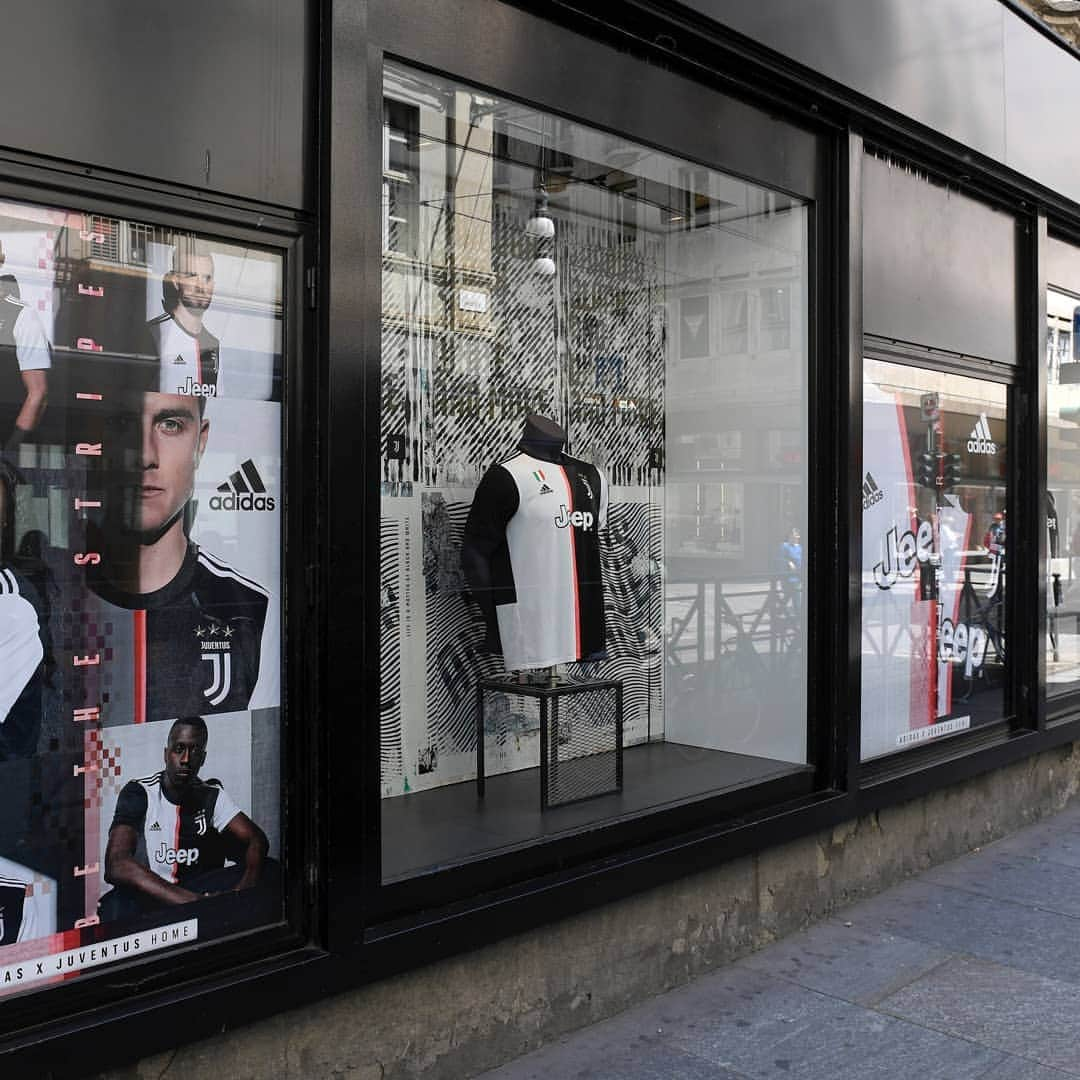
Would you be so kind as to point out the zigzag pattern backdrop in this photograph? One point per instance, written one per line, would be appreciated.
(586, 347)
(390, 652)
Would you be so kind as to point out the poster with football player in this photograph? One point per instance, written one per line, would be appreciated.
(141, 375)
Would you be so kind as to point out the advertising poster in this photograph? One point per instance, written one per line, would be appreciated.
(140, 591)
(933, 643)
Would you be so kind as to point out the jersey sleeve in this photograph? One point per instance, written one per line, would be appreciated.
(483, 549)
(31, 344)
(130, 807)
(224, 810)
(21, 651)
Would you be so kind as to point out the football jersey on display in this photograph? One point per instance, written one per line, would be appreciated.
(177, 840)
(532, 556)
(189, 649)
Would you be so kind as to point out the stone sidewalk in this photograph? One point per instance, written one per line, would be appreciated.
(971, 969)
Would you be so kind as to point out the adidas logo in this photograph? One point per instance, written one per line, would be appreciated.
(544, 489)
(244, 490)
(980, 440)
(871, 493)
(155, 827)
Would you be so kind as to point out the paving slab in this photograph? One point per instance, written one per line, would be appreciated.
(848, 962)
(769, 1028)
(1017, 934)
(1023, 879)
(1028, 1015)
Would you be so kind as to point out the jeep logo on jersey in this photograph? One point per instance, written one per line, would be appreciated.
(980, 442)
(580, 519)
(185, 856)
(244, 490)
(871, 493)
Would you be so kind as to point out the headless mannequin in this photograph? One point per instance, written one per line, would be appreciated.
(542, 438)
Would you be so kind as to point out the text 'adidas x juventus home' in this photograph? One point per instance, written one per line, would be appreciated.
(531, 555)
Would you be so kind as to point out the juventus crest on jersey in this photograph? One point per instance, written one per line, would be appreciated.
(194, 646)
(532, 557)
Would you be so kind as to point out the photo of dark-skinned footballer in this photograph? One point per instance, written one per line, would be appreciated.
(173, 834)
(185, 627)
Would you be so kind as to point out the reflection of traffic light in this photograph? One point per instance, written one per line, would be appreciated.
(926, 469)
(951, 476)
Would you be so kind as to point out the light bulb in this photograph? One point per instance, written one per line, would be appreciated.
(544, 266)
(540, 226)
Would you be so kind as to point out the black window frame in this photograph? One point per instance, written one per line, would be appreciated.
(789, 154)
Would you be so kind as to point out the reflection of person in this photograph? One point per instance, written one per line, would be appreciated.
(791, 560)
(189, 355)
(25, 358)
(170, 831)
(192, 624)
(994, 540)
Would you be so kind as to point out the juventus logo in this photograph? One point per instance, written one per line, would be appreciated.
(221, 676)
(200, 823)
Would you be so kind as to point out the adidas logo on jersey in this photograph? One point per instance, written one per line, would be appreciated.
(545, 490)
(244, 490)
(871, 493)
(980, 441)
(155, 827)
(580, 519)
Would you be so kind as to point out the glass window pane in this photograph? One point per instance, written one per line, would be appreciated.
(141, 497)
(594, 440)
(934, 548)
(1063, 494)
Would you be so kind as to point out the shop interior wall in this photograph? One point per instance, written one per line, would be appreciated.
(211, 94)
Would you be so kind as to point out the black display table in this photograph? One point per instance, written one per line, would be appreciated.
(581, 755)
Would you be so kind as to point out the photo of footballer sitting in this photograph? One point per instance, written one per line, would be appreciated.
(176, 838)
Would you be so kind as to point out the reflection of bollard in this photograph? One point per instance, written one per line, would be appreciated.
(1058, 594)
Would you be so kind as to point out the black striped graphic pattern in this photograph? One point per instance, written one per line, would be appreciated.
(390, 654)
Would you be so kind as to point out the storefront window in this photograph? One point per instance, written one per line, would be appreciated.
(934, 555)
(1063, 492)
(140, 596)
(594, 435)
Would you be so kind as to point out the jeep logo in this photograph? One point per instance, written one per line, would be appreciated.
(580, 519)
(183, 856)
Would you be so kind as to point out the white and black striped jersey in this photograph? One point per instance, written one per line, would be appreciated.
(23, 347)
(188, 649)
(27, 903)
(177, 840)
(531, 556)
(187, 360)
(22, 650)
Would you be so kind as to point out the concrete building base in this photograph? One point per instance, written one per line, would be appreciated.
(459, 1017)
